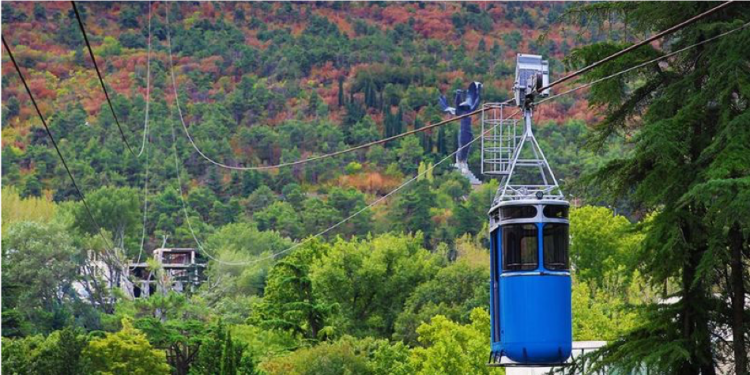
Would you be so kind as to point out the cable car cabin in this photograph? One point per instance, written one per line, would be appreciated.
(530, 293)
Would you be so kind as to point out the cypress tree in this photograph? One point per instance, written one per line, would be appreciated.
(341, 91)
(425, 138)
(442, 147)
(219, 354)
(228, 361)
(398, 121)
(388, 124)
(354, 114)
(371, 94)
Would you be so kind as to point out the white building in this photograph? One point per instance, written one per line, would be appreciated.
(181, 270)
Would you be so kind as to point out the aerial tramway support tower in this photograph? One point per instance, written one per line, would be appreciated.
(530, 287)
(509, 149)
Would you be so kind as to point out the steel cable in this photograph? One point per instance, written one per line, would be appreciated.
(101, 80)
(641, 65)
(297, 162)
(54, 143)
(658, 35)
(334, 226)
(148, 83)
(425, 128)
(400, 187)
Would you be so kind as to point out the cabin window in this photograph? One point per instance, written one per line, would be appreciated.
(518, 212)
(556, 246)
(555, 211)
(520, 248)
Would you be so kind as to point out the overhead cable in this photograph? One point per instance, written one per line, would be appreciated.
(143, 145)
(296, 162)
(338, 224)
(189, 222)
(425, 128)
(145, 203)
(101, 80)
(145, 206)
(641, 65)
(54, 143)
(400, 187)
(148, 83)
(613, 56)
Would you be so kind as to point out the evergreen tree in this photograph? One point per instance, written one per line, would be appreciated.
(496, 49)
(33, 186)
(442, 146)
(235, 185)
(214, 182)
(251, 180)
(63, 352)
(10, 317)
(219, 354)
(412, 210)
(398, 124)
(393, 123)
(289, 303)
(129, 16)
(368, 87)
(425, 139)
(341, 91)
(69, 34)
(354, 113)
(691, 168)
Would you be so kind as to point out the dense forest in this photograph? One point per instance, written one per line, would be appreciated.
(656, 163)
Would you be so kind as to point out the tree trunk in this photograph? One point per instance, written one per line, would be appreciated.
(688, 367)
(695, 324)
(737, 291)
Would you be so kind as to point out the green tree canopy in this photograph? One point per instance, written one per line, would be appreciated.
(289, 303)
(454, 292)
(57, 354)
(117, 210)
(124, 352)
(39, 271)
(370, 280)
(452, 348)
(601, 243)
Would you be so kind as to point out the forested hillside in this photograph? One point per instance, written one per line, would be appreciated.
(398, 288)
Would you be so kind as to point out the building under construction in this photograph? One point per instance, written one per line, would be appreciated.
(181, 270)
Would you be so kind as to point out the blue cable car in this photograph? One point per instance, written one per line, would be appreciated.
(530, 295)
(530, 287)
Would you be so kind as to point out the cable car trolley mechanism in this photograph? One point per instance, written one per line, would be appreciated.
(530, 288)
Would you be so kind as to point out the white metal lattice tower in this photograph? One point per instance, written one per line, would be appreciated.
(509, 148)
(499, 141)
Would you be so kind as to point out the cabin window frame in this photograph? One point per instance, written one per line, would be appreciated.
(555, 245)
(518, 212)
(516, 234)
(551, 211)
